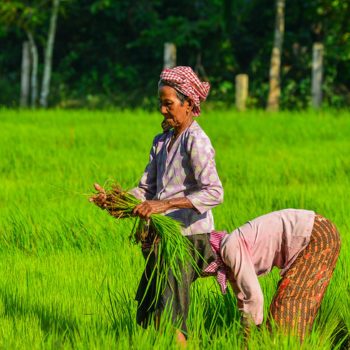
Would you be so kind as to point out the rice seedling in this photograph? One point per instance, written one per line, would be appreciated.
(174, 252)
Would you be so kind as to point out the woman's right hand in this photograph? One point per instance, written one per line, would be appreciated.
(165, 125)
(145, 209)
(100, 198)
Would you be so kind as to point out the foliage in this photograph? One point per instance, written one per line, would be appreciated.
(109, 53)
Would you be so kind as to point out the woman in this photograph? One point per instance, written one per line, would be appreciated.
(301, 243)
(180, 181)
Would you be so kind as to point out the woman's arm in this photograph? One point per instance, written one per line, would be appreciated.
(147, 208)
(210, 192)
(244, 280)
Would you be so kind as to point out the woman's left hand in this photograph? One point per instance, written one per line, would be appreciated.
(147, 208)
(100, 198)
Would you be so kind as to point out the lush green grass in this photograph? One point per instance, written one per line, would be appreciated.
(68, 273)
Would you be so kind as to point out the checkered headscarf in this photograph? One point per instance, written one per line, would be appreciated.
(185, 81)
(217, 267)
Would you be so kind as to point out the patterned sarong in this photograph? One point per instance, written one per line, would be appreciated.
(301, 290)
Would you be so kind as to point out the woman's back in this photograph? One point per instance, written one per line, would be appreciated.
(274, 239)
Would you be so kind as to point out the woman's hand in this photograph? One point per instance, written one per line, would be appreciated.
(100, 198)
(165, 125)
(147, 208)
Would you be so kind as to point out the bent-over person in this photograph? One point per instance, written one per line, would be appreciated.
(304, 245)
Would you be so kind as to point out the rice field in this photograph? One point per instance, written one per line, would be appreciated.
(68, 273)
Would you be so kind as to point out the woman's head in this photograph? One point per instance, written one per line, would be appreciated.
(188, 86)
(175, 107)
(179, 95)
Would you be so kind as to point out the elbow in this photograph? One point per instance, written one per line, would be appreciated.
(217, 194)
(221, 195)
(207, 198)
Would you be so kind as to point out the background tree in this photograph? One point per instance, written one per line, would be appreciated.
(275, 66)
(31, 17)
(45, 86)
(110, 53)
(26, 17)
(25, 74)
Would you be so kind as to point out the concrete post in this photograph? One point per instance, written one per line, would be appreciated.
(317, 72)
(169, 55)
(241, 87)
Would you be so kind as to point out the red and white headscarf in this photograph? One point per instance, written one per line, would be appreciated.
(185, 81)
(217, 267)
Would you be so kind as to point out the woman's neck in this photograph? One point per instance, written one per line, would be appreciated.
(181, 128)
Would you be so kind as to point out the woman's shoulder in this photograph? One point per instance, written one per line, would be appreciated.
(161, 137)
(196, 134)
(195, 129)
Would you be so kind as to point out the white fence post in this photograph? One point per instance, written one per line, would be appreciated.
(317, 72)
(169, 55)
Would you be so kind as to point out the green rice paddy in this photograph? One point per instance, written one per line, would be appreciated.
(68, 273)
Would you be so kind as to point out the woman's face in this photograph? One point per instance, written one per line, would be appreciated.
(170, 106)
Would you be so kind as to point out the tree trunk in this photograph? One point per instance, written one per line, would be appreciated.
(34, 76)
(199, 68)
(241, 87)
(275, 65)
(317, 69)
(45, 87)
(25, 74)
(169, 55)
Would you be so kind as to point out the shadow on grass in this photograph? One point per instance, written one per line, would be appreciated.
(51, 319)
(342, 336)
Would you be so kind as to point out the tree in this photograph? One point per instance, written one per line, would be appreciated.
(27, 18)
(25, 73)
(34, 74)
(30, 16)
(115, 51)
(275, 66)
(45, 86)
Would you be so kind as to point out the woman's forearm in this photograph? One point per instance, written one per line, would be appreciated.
(149, 207)
(179, 203)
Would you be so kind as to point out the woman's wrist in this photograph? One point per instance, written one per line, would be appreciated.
(169, 204)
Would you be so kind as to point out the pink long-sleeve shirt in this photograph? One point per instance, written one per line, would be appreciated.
(252, 250)
(187, 170)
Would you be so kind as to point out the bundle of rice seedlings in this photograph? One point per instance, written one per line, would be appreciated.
(174, 251)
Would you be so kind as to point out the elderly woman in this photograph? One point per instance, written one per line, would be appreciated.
(182, 182)
(301, 243)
